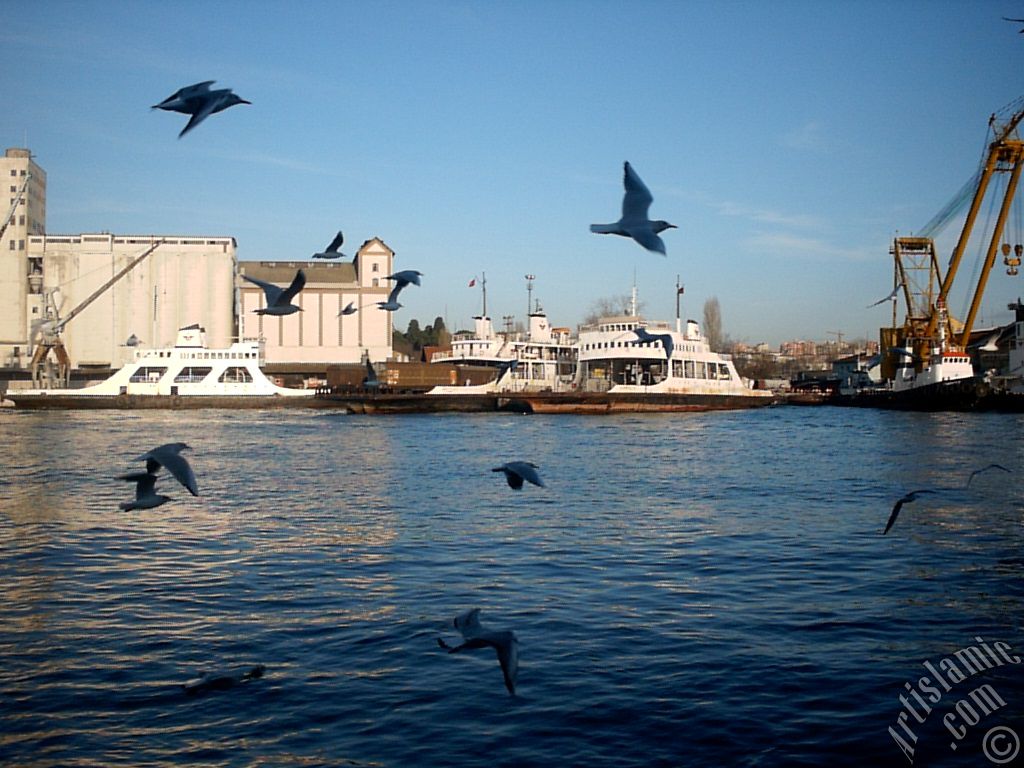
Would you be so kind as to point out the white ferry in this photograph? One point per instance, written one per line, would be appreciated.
(543, 361)
(947, 364)
(629, 364)
(187, 375)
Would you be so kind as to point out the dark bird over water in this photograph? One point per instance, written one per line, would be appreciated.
(331, 251)
(169, 456)
(913, 495)
(634, 222)
(200, 102)
(279, 299)
(504, 642)
(146, 496)
(221, 681)
(518, 471)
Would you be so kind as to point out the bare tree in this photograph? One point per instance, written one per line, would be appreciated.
(608, 306)
(713, 324)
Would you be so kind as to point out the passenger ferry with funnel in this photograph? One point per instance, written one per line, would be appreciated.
(187, 375)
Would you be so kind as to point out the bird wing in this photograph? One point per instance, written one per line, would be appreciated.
(170, 458)
(145, 486)
(638, 199)
(515, 480)
(272, 291)
(293, 290)
(648, 238)
(526, 471)
(335, 243)
(666, 342)
(207, 108)
(350, 309)
(894, 514)
(507, 647)
(468, 623)
(393, 296)
(985, 469)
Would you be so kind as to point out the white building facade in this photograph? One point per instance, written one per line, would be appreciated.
(22, 214)
(185, 280)
(318, 334)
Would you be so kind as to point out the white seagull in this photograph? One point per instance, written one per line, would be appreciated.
(518, 471)
(279, 299)
(146, 496)
(504, 642)
(331, 251)
(405, 277)
(913, 495)
(200, 102)
(634, 222)
(890, 297)
(169, 456)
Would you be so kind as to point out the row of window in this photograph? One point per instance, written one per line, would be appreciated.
(20, 245)
(14, 172)
(233, 374)
(211, 355)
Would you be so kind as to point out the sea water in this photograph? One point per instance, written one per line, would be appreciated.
(687, 590)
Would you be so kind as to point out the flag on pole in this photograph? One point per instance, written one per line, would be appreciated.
(472, 282)
(680, 289)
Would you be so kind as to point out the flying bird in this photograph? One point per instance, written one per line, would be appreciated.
(146, 496)
(279, 299)
(169, 456)
(890, 297)
(518, 471)
(634, 222)
(391, 305)
(200, 102)
(350, 309)
(504, 642)
(405, 277)
(913, 495)
(1019, 21)
(331, 251)
(642, 334)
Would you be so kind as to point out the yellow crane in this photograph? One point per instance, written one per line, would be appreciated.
(925, 289)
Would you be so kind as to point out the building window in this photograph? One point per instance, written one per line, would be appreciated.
(12, 245)
(376, 266)
(13, 172)
(13, 188)
(376, 282)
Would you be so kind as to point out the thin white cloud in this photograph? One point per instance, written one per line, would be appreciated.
(810, 136)
(786, 244)
(766, 215)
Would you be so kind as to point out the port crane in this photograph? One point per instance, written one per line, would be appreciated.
(50, 331)
(916, 268)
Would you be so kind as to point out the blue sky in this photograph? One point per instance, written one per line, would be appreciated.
(789, 141)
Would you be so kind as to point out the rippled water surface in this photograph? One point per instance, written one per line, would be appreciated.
(693, 590)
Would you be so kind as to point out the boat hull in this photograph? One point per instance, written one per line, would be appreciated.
(608, 402)
(410, 403)
(966, 395)
(126, 402)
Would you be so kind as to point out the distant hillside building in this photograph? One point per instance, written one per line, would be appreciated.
(318, 334)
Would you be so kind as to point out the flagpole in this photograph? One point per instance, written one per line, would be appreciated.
(679, 320)
(483, 286)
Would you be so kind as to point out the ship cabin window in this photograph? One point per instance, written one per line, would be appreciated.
(677, 369)
(192, 374)
(723, 371)
(235, 374)
(688, 369)
(148, 373)
(712, 370)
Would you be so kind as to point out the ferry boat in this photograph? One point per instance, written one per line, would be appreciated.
(946, 366)
(187, 375)
(628, 364)
(543, 361)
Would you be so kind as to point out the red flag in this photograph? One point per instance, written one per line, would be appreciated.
(681, 289)
(472, 282)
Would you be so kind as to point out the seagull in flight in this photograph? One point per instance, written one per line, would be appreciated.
(279, 299)
(913, 495)
(890, 297)
(634, 222)
(1019, 21)
(146, 496)
(200, 102)
(220, 681)
(402, 279)
(504, 642)
(518, 471)
(350, 309)
(331, 251)
(169, 456)
(642, 334)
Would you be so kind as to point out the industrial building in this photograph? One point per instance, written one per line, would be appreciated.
(108, 294)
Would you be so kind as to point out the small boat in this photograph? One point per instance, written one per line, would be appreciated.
(187, 375)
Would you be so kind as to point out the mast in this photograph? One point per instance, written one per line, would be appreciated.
(483, 286)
